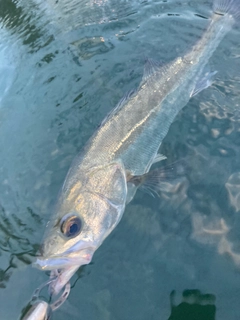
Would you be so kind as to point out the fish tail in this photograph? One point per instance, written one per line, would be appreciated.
(227, 7)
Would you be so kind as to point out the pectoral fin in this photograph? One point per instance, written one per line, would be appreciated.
(159, 157)
(155, 180)
(204, 82)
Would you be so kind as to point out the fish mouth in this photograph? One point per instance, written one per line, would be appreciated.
(64, 260)
(63, 267)
(64, 264)
(76, 255)
(54, 262)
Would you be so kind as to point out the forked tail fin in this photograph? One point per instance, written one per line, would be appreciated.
(227, 7)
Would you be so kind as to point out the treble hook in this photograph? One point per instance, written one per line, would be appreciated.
(55, 305)
(42, 310)
(39, 289)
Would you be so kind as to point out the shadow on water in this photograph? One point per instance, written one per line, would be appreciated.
(194, 306)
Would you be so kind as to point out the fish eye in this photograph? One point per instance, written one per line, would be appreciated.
(70, 225)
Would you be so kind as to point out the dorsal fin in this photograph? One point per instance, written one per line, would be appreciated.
(120, 104)
(150, 68)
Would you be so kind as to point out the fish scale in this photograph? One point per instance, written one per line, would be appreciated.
(135, 131)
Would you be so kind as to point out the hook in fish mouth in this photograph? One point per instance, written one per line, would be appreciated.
(66, 290)
(39, 289)
(62, 271)
(64, 265)
(57, 303)
(60, 279)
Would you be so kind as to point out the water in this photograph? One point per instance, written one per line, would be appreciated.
(63, 67)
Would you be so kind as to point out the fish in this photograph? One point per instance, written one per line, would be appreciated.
(106, 174)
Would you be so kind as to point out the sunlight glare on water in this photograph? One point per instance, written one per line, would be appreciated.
(63, 66)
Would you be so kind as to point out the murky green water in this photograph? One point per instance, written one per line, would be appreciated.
(63, 67)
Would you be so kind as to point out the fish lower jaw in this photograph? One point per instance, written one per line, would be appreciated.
(61, 262)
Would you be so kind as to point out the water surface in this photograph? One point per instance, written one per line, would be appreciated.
(63, 66)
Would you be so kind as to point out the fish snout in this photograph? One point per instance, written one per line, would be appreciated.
(40, 250)
(45, 248)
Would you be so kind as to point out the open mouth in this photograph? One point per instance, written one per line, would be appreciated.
(61, 262)
(76, 255)
(63, 267)
(65, 264)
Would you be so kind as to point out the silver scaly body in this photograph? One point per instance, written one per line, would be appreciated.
(97, 187)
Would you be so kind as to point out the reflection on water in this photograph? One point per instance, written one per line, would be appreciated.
(233, 188)
(63, 67)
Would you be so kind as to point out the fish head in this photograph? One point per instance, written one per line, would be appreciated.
(89, 208)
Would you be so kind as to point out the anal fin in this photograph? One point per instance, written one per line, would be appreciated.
(204, 82)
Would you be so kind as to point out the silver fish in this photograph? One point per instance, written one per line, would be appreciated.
(102, 178)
